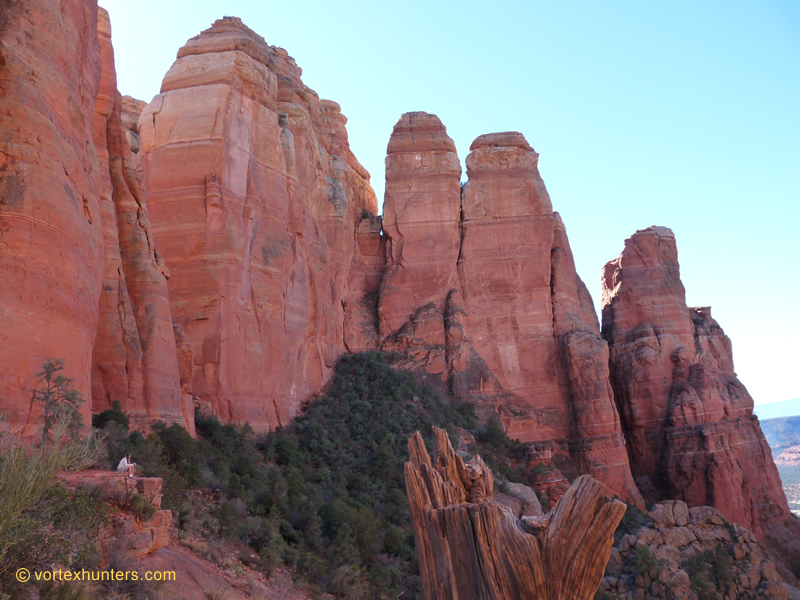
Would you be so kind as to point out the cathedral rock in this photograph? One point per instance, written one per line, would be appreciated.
(255, 200)
(221, 247)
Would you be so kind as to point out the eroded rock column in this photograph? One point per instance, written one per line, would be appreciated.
(688, 419)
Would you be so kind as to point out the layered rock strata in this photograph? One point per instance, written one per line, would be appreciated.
(689, 421)
(83, 281)
(134, 355)
(471, 547)
(256, 199)
(51, 232)
(421, 213)
(480, 288)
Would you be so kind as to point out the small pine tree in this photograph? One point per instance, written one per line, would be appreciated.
(59, 398)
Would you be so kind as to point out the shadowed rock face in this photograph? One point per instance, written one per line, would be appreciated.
(256, 200)
(688, 419)
(83, 280)
(471, 547)
(134, 355)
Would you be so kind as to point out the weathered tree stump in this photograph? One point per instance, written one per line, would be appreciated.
(470, 548)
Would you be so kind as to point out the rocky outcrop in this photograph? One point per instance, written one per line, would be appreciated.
(134, 354)
(680, 553)
(421, 222)
(127, 534)
(255, 198)
(83, 281)
(480, 288)
(130, 113)
(51, 232)
(470, 547)
(688, 419)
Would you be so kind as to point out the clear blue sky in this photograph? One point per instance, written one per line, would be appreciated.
(684, 114)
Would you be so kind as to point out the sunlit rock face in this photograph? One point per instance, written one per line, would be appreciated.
(480, 289)
(255, 199)
(51, 233)
(688, 419)
(421, 213)
(134, 356)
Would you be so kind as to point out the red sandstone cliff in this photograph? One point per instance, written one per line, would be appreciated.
(279, 264)
(480, 288)
(256, 199)
(51, 232)
(82, 279)
(689, 421)
(135, 358)
(420, 220)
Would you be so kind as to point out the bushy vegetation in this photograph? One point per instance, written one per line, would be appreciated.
(633, 519)
(710, 571)
(38, 524)
(324, 495)
(644, 561)
(60, 528)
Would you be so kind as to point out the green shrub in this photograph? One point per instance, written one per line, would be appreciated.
(60, 528)
(142, 507)
(112, 415)
(60, 400)
(324, 494)
(27, 473)
(709, 571)
(632, 520)
(644, 561)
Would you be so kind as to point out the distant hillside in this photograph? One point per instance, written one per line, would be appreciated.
(775, 410)
(783, 432)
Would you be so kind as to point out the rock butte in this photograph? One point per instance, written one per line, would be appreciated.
(221, 247)
(688, 420)
(255, 200)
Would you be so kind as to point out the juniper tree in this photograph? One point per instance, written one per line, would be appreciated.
(59, 398)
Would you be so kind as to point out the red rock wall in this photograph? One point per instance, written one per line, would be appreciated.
(688, 419)
(255, 199)
(480, 288)
(420, 220)
(135, 358)
(84, 282)
(51, 232)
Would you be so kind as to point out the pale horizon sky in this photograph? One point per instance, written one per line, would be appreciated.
(683, 114)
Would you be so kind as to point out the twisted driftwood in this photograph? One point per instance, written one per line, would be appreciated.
(470, 548)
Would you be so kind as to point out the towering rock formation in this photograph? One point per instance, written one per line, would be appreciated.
(256, 198)
(481, 288)
(51, 233)
(421, 213)
(82, 279)
(135, 359)
(688, 419)
(508, 228)
(471, 547)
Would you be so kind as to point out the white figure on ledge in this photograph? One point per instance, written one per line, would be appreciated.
(126, 466)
